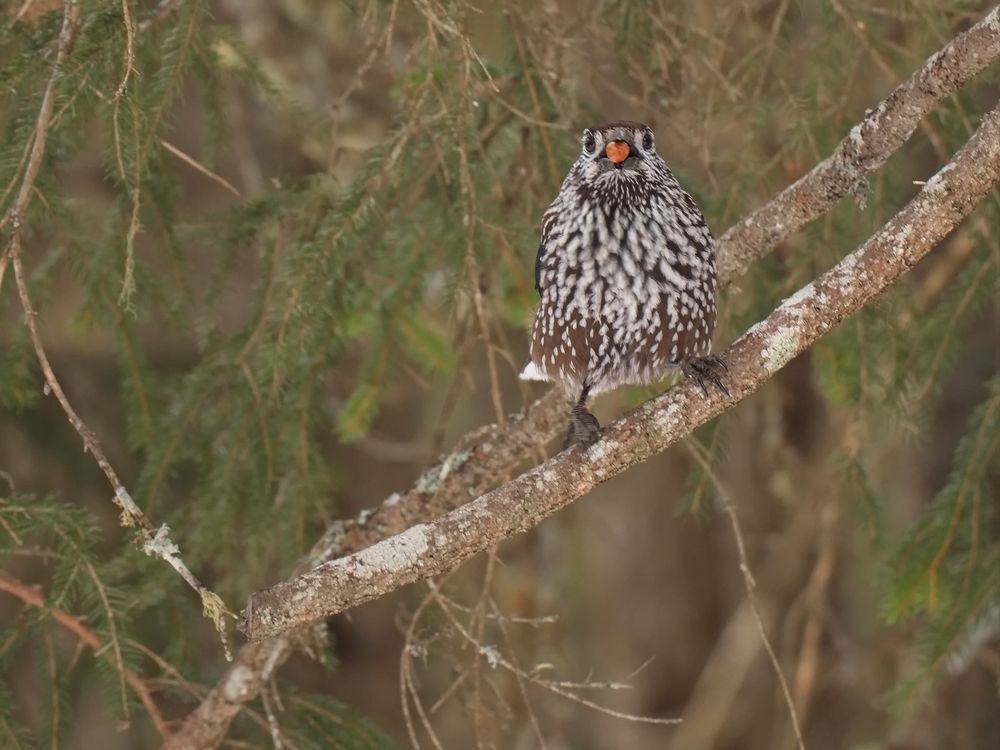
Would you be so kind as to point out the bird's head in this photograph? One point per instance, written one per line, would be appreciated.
(618, 152)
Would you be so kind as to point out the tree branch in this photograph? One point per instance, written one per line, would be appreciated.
(866, 148)
(487, 455)
(427, 549)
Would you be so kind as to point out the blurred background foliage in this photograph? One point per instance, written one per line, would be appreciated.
(289, 263)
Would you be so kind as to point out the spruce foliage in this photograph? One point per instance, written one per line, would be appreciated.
(226, 350)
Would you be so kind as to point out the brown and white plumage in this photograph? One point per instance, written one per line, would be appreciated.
(626, 275)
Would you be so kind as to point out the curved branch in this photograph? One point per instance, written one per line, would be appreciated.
(428, 549)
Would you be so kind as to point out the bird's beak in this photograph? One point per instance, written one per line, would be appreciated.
(617, 151)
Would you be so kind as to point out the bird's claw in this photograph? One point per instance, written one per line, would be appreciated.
(704, 370)
(584, 429)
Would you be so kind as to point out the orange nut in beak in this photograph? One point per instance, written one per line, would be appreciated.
(617, 151)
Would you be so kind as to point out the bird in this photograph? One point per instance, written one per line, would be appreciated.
(625, 273)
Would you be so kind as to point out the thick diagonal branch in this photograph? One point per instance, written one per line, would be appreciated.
(484, 456)
(431, 548)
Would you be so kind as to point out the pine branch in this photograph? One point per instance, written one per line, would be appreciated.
(156, 541)
(31, 596)
(427, 549)
(489, 454)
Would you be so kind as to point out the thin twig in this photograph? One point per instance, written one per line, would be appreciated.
(272, 722)
(129, 53)
(407, 684)
(4, 261)
(23, 10)
(533, 678)
(513, 619)
(54, 700)
(449, 691)
(699, 454)
(189, 687)
(807, 668)
(772, 37)
(67, 36)
(198, 167)
(521, 682)
(113, 629)
(135, 194)
(477, 625)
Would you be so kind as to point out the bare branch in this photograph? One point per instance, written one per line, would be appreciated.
(67, 36)
(428, 549)
(563, 689)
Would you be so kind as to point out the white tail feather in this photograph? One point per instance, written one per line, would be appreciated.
(532, 371)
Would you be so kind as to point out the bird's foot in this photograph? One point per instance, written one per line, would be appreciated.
(584, 429)
(704, 370)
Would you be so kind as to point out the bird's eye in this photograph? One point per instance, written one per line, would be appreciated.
(647, 140)
(589, 142)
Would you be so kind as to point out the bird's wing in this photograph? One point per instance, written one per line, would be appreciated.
(538, 267)
(549, 232)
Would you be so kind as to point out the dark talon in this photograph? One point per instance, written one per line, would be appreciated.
(701, 369)
(584, 429)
